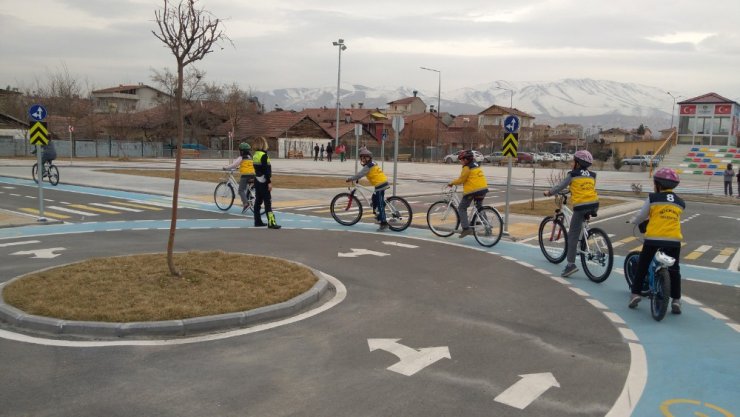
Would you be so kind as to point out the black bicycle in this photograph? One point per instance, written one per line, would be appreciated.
(51, 173)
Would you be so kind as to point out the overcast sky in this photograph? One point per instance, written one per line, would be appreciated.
(685, 46)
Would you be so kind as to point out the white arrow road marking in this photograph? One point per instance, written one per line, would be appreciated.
(357, 252)
(40, 253)
(25, 242)
(527, 389)
(402, 245)
(411, 360)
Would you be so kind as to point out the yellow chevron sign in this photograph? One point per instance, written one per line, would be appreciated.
(511, 143)
(38, 133)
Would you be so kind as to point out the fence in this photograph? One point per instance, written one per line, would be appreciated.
(87, 148)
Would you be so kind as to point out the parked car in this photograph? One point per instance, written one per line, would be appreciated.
(547, 156)
(642, 160)
(524, 158)
(196, 146)
(495, 158)
(564, 157)
(453, 157)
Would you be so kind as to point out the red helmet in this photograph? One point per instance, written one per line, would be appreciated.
(466, 154)
(666, 178)
(584, 158)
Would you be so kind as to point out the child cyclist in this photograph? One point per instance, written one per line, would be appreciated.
(582, 183)
(377, 178)
(474, 185)
(246, 169)
(662, 210)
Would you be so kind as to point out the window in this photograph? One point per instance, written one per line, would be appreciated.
(721, 125)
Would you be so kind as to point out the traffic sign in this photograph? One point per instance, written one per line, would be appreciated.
(397, 123)
(38, 134)
(37, 112)
(511, 124)
(358, 129)
(511, 143)
(71, 129)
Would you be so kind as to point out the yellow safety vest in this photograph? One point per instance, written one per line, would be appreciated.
(246, 167)
(376, 176)
(665, 217)
(583, 187)
(472, 178)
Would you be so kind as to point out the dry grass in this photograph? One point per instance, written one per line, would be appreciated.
(278, 181)
(547, 207)
(140, 288)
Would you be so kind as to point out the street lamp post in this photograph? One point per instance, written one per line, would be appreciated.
(342, 47)
(439, 102)
(673, 109)
(511, 98)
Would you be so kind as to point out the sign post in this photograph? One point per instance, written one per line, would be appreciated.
(231, 145)
(39, 135)
(358, 133)
(397, 124)
(71, 143)
(511, 143)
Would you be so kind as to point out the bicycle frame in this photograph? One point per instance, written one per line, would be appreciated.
(452, 198)
(564, 214)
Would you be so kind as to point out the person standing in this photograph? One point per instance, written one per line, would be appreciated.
(341, 149)
(729, 173)
(329, 151)
(738, 183)
(321, 153)
(315, 151)
(263, 186)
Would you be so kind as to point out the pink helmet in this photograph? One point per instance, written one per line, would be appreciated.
(584, 158)
(666, 178)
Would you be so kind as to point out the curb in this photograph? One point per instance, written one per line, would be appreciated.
(170, 328)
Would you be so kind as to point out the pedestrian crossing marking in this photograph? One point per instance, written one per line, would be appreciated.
(109, 206)
(701, 250)
(99, 210)
(46, 213)
(724, 255)
(141, 206)
(69, 210)
(623, 241)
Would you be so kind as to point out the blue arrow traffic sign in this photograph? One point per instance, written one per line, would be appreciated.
(511, 124)
(37, 112)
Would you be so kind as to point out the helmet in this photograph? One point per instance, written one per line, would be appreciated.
(365, 152)
(666, 178)
(466, 154)
(584, 158)
(244, 146)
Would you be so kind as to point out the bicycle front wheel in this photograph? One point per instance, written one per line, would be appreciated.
(597, 255)
(224, 195)
(346, 209)
(659, 299)
(35, 172)
(553, 239)
(442, 218)
(397, 213)
(487, 226)
(53, 174)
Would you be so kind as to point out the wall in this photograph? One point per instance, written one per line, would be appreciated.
(87, 148)
(642, 147)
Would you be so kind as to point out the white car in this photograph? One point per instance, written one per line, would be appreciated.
(453, 157)
(565, 157)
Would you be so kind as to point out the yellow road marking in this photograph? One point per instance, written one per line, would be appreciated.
(636, 248)
(91, 208)
(46, 213)
(627, 239)
(141, 206)
(727, 251)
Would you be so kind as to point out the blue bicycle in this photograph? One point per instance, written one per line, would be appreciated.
(657, 286)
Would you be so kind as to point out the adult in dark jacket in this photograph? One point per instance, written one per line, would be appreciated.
(329, 151)
(263, 186)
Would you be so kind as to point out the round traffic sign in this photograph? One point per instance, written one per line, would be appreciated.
(511, 124)
(37, 112)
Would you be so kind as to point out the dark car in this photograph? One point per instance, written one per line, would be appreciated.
(524, 158)
(196, 146)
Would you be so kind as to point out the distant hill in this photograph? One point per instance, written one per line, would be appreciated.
(591, 103)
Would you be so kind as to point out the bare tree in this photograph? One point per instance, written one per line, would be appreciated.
(190, 33)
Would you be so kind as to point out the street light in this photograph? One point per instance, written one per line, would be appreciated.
(511, 100)
(673, 110)
(342, 47)
(439, 102)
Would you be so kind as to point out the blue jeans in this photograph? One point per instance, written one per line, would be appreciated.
(378, 202)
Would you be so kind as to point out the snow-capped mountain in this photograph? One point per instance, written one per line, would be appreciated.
(585, 101)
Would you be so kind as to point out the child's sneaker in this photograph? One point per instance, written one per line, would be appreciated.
(383, 227)
(676, 306)
(569, 270)
(634, 300)
(466, 232)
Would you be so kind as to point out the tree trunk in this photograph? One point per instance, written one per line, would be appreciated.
(176, 190)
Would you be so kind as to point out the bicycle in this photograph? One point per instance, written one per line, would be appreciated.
(595, 247)
(657, 286)
(51, 173)
(443, 219)
(347, 209)
(226, 191)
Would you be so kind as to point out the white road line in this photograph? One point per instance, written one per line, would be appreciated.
(542, 271)
(110, 206)
(522, 263)
(24, 242)
(714, 313)
(735, 327)
(690, 301)
(634, 385)
(309, 208)
(720, 259)
(561, 280)
(596, 303)
(702, 248)
(579, 291)
(628, 334)
(614, 317)
(735, 262)
(402, 245)
(69, 210)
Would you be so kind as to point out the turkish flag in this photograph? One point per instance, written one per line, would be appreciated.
(722, 109)
(688, 109)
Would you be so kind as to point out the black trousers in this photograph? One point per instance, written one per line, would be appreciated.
(262, 195)
(643, 263)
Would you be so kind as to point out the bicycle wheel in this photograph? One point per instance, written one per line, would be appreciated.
(224, 195)
(442, 218)
(553, 239)
(487, 226)
(53, 174)
(251, 197)
(346, 209)
(35, 172)
(598, 261)
(630, 267)
(660, 298)
(397, 213)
